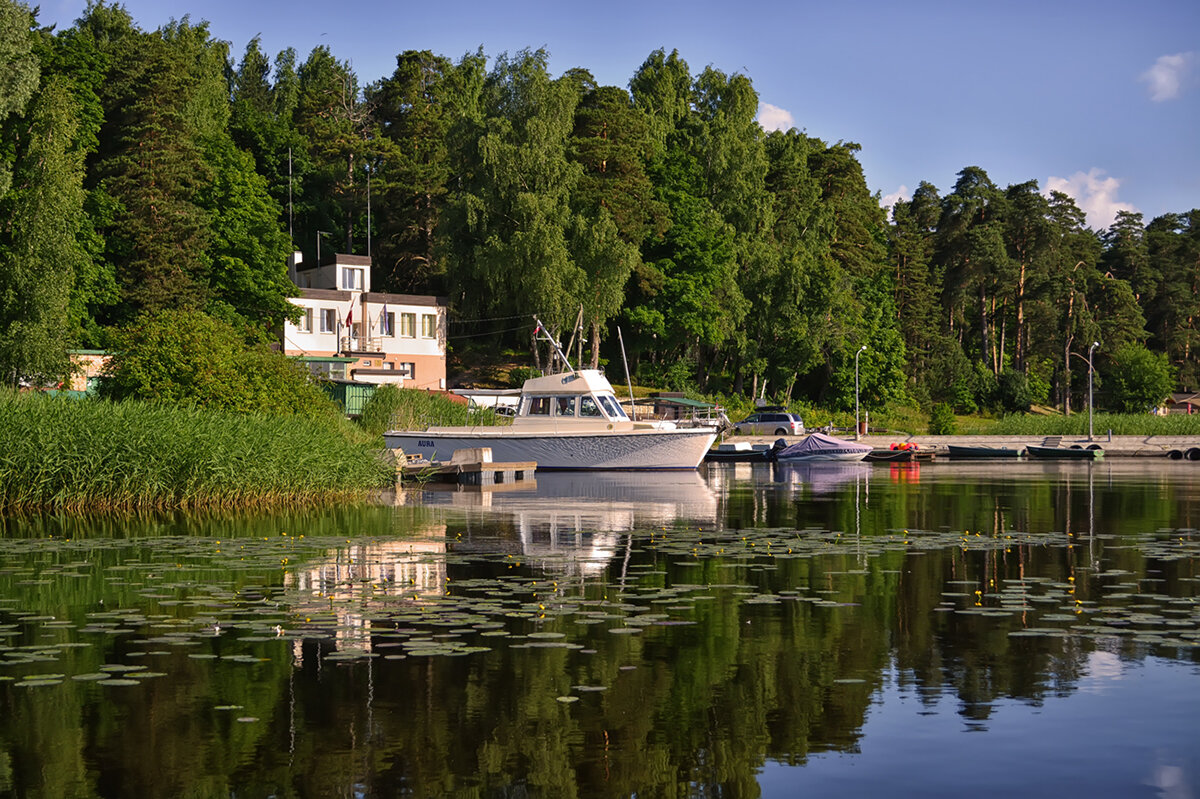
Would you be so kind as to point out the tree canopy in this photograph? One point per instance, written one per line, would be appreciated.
(145, 172)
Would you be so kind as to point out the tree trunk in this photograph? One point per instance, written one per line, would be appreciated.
(984, 332)
(1019, 343)
(595, 360)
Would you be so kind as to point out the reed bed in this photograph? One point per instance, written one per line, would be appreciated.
(74, 455)
(1121, 424)
(392, 408)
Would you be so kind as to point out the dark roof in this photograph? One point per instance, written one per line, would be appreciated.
(683, 401)
(404, 299)
(325, 294)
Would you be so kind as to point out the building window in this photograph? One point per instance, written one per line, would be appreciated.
(408, 370)
(321, 369)
(387, 324)
(428, 326)
(305, 323)
(328, 320)
(408, 325)
(352, 279)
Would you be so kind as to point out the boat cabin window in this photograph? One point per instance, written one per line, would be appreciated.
(611, 407)
(588, 407)
(564, 406)
(538, 406)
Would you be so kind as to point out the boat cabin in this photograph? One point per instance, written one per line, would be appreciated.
(582, 396)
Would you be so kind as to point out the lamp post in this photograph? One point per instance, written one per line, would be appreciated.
(1091, 349)
(861, 350)
(320, 233)
(368, 168)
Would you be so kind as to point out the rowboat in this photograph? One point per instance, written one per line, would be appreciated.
(1075, 453)
(962, 452)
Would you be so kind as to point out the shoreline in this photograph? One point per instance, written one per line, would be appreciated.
(1114, 446)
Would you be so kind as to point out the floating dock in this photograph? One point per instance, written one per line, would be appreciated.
(466, 467)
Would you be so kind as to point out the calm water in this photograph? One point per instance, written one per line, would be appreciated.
(745, 631)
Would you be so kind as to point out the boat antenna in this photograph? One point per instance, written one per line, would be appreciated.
(624, 360)
(542, 329)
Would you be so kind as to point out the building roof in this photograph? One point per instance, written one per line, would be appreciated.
(380, 297)
(326, 294)
(684, 402)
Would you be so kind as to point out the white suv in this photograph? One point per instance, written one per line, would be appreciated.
(770, 424)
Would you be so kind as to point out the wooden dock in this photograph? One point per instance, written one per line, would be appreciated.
(465, 467)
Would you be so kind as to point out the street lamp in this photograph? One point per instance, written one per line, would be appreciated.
(368, 168)
(861, 350)
(320, 233)
(1091, 349)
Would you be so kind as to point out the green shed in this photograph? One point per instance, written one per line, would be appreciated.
(350, 395)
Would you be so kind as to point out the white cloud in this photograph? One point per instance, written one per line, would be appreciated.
(772, 117)
(1170, 76)
(901, 194)
(1095, 195)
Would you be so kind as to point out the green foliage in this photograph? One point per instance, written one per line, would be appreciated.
(735, 260)
(1014, 393)
(249, 252)
(40, 250)
(19, 72)
(519, 374)
(942, 421)
(1137, 380)
(78, 455)
(190, 358)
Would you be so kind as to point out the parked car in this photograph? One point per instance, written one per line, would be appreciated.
(770, 424)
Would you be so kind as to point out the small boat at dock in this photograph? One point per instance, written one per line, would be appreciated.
(963, 452)
(742, 452)
(1075, 453)
(890, 456)
(820, 447)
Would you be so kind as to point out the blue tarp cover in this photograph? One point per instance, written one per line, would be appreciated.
(820, 444)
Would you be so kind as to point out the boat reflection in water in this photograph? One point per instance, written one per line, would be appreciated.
(821, 477)
(576, 519)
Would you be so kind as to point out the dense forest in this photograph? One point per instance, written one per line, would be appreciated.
(144, 172)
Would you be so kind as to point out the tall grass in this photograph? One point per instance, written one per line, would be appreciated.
(1121, 424)
(63, 454)
(392, 408)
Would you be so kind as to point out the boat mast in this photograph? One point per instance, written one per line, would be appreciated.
(542, 328)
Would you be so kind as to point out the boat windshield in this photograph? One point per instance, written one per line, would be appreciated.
(611, 406)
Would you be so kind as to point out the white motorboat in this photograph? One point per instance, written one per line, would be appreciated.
(568, 421)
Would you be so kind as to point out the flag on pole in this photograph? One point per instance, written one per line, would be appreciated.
(383, 325)
(350, 315)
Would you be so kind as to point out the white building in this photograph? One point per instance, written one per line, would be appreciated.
(346, 331)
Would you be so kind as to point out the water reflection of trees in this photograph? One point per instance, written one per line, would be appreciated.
(688, 710)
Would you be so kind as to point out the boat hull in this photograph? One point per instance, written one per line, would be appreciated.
(957, 452)
(890, 456)
(626, 450)
(842, 457)
(1064, 453)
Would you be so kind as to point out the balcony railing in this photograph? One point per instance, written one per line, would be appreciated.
(351, 343)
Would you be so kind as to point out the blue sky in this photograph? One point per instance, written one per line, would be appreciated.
(1097, 98)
